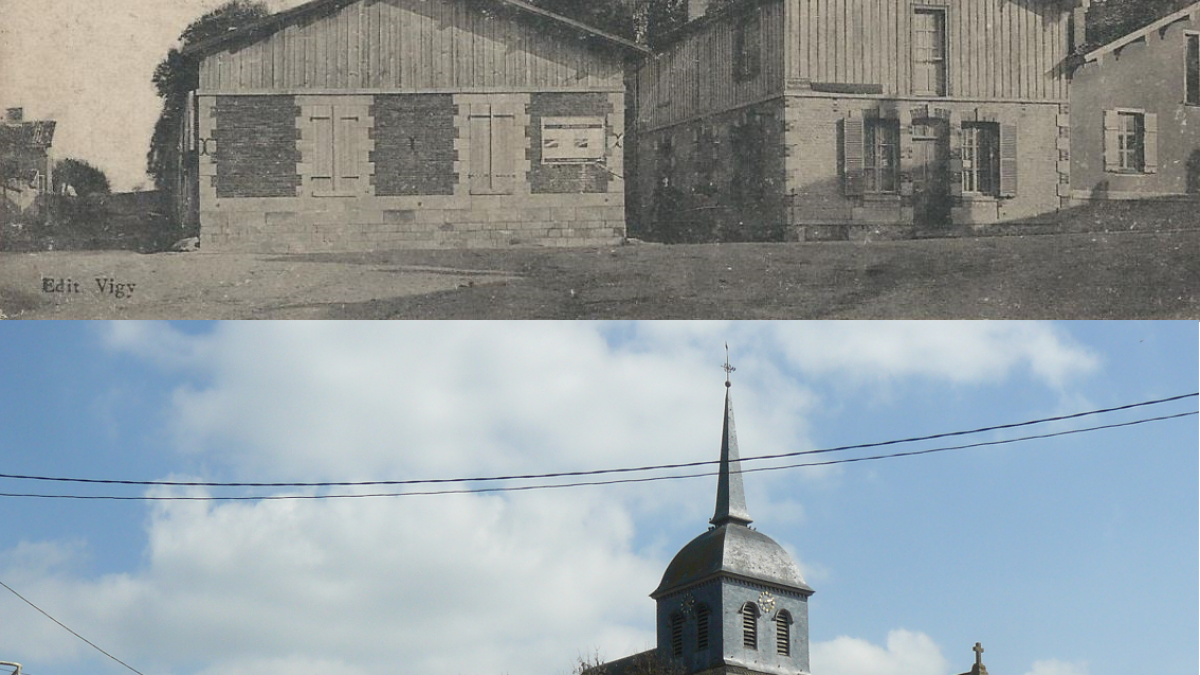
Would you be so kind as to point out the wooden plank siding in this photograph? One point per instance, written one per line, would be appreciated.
(413, 45)
(996, 49)
(698, 71)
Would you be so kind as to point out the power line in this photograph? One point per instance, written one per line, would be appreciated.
(525, 488)
(594, 472)
(93, 644)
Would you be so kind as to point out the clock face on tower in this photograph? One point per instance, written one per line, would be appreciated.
(688, 604)
(766, 602)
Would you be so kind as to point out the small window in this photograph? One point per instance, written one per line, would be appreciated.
(1192, 89)
(929, 52)
(676, 635)
(783, 633)
(701, 627)
(750, 626)
(747, 47)
(881, 156)
(981, 158)
(1131, 143)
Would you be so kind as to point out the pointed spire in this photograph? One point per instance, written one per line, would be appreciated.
(731, 497)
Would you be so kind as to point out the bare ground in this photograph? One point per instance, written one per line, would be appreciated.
(1123, 275)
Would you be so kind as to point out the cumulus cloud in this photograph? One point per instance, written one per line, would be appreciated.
(1056, 667)
(519, 582)
(906, 653)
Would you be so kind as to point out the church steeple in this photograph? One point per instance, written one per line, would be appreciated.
(731, 497)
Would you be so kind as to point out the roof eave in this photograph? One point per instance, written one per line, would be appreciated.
(1191, 12)
(271, 23)
(803, 589)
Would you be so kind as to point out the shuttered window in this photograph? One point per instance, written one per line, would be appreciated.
(1130, 141)
(337, 165)
(929, 52)
(493, 150)
(1008, 160)
(881, 155)
(1192, 86)
(676, 635)
(981, 158)
(750, 626)
(701, 627)
(783, 634)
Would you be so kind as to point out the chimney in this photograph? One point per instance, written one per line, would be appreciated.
(696, 9)
(1079, 25)
(14, 115)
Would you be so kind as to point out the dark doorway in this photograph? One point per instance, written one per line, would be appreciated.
(931, 178)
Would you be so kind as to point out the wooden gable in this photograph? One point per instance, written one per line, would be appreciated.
(416, 45)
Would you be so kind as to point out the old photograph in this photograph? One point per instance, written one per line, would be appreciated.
(562, 159)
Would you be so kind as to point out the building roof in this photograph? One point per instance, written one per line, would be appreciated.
(274, 22)
(731, 548)
(1191, 12)
(37, 134)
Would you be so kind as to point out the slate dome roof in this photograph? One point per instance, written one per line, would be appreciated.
(732, 549)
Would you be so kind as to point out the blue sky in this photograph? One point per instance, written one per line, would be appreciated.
(1068, 556)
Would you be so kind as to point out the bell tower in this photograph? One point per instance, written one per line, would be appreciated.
(732, 600)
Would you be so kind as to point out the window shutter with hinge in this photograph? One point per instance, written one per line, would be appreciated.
(1150, 143)
(852, 155)
(1112, 143)
(322, 144)
(504, 171)
(1008, 160)
(345, 150)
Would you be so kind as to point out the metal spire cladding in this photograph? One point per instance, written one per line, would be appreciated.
(731, 497)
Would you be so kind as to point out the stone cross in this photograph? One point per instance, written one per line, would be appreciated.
(978, 649)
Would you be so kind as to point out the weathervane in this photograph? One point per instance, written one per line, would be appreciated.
(727, 368)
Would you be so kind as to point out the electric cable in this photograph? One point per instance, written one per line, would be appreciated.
(68, 629)
(525, 488)
(594, 472)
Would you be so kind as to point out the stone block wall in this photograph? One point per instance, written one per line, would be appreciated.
(718, 178)
(566, 178)
(397, 160)
(414, 144)
(255, 146)
(820, 208)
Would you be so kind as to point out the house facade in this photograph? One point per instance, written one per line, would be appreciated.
(817, 119)
(26, 161)
(1135, 113)
(360, 124)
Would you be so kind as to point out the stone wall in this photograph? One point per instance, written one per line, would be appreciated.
(565, 178)
(719, 178)
(414, 144)
(378, 214)
(820, 208)
(255, 139)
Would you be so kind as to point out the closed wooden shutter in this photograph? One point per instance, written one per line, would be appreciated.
(323, 164)
(493, 152)
(347, 168)
(1008, 160)
(1112, 140)
(852, 155)
(1150, 146)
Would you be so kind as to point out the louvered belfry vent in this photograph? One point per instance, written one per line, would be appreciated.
(676, 635)
(749, 626)
(701, 628)
(783, 636)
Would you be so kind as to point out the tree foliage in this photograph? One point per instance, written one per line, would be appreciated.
(1108, 20)
(177, 75)
(83, 178)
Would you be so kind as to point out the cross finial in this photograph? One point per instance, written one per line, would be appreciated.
(978, 649)
(727, 368)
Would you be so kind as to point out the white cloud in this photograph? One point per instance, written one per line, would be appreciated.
(907, 653)
(519, 582)
(1056, 667)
